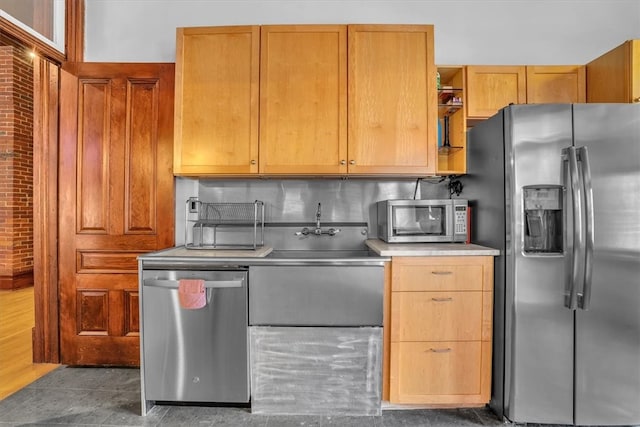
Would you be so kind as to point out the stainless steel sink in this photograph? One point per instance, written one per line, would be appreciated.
(321, 254)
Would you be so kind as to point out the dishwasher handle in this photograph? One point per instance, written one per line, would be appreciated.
(173, 284)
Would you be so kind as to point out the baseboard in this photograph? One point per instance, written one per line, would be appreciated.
(19, 281)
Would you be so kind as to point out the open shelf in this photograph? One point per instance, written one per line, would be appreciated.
(452, 152)
(448, 149)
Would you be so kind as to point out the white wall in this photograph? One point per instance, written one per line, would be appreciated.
(499, 32)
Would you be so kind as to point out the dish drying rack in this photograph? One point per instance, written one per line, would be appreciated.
(244, 222)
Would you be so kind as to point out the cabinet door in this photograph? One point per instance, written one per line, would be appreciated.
(556, 84)
(635, 70)
(303, 99)
(216, 114)
(456, 373)
(615, 76)
(392, 100)
(490, 88)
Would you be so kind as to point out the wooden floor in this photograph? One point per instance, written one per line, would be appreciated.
(16, 323)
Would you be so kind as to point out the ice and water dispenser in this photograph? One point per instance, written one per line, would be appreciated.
(543, 219)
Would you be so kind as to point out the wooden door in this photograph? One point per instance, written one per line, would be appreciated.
(392, 100)
(556, 84)
(116, 201)
(490, 88)
(216, 114)
(615, 75)
(303, 99)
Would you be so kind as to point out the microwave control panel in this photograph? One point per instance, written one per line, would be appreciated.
(460, 220)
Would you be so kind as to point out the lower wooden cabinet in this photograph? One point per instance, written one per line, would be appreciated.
(441, 330)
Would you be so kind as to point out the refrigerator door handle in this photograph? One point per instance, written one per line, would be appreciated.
(571, 287)
(584, 299)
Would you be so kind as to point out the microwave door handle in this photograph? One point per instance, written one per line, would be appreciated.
(573, 275)
(584, 300)
(448, 212)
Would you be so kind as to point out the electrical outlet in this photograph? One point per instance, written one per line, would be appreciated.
(193, 205)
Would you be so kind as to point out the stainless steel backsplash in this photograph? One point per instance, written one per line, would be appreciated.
(296, 200)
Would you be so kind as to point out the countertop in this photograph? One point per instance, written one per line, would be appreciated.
(180, 257)
(429, 249)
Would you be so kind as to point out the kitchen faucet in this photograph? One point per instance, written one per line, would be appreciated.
(318, 230)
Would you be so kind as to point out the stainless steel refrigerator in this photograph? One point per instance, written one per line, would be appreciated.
(556, 188)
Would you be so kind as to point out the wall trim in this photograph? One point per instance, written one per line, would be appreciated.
(16, 281)
(74, 30)
(31, 41)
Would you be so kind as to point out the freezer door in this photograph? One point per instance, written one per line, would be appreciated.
(538, 327)
(608, 333)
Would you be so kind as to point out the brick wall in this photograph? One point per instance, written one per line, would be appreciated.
(16, 168)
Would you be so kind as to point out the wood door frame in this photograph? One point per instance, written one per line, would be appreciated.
(46, 333)
(46, 347)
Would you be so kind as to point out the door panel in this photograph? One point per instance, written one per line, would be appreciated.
(93, 172)
(490, 88)
(217, 89)
(555, 84)
(303, 99)
(538, 329)
(116, 201)
(608, 333)
(391, 127)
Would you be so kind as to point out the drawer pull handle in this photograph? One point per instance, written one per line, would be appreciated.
(440, 350)
(442, 273)
(442, 299)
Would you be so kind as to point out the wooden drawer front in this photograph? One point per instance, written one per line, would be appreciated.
(438, 368)
(436, 316)
(413, 277)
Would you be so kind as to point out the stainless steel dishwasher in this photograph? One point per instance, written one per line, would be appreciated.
(194, 355)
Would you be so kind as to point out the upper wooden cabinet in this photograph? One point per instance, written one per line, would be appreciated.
(303, 99)
(556, 84)
(490, 88)
(216, 108)
(392, 100)
(310, 121)
(615, 76)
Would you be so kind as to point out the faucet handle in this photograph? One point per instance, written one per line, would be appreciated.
(303, 232)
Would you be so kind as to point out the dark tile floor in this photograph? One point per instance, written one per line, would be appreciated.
(111, 397)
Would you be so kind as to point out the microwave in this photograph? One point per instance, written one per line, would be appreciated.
(411, 221)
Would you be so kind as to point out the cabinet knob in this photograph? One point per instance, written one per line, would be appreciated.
(636, 100)
(352, 162)
(343, 162)
(253, 162)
